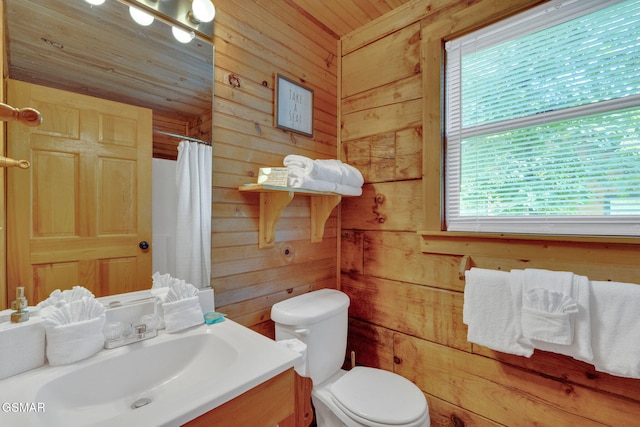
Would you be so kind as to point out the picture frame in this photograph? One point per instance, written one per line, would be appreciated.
(293, 106)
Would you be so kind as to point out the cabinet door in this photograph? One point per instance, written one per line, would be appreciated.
(78, 214)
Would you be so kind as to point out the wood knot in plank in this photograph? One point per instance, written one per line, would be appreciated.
(234, 80)
(592, 375)
(456, 421)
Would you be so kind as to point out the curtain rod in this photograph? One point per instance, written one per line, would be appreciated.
(175, 135)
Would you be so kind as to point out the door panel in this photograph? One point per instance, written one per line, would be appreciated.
(76, 216)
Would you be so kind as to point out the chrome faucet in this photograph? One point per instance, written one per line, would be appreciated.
(116, 335)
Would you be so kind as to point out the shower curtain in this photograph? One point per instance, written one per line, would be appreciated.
(193, 228)
(164, 219)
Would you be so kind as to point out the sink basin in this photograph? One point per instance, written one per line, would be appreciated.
(163, 381)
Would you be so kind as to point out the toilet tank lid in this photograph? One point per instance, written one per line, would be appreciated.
(309, 308)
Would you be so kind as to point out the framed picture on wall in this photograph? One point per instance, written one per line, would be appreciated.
(294, 106)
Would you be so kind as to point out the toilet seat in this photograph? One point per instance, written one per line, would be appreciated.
(376, 397)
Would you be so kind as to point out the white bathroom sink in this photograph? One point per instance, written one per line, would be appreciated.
(173, 378)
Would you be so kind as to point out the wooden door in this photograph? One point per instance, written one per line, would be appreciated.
(77, 216)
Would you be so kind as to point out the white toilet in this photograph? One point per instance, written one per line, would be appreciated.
(360, 397)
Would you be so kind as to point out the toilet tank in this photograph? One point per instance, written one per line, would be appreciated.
(319, 319)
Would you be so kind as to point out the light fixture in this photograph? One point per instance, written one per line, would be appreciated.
(181, 35)
(142, 18)
(202, 11)
(95, 2)
(192, 16)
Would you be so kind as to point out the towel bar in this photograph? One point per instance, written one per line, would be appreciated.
(465, 264)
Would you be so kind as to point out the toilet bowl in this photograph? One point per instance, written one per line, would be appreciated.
(361, 397)
(369, 397)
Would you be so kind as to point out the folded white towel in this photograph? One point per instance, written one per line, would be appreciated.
(578, 324)
(540, 320)
(159, 281)
(59, 298)
(308, 183)
(182, 314)
(159, 294)
(615, 328)
(74, 341)
(331, 170)
(181, 291)
(492, 312)
(74, 330)
(546, 316)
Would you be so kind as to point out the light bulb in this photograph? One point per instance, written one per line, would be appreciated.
(141, 17)
(203, 10)
(181, 35)
(95, 2)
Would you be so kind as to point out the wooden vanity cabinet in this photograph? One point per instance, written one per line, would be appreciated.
(284, 400)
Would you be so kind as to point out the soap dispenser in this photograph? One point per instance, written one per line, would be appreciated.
(21, 314)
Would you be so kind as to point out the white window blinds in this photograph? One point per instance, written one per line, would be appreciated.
(543, 122)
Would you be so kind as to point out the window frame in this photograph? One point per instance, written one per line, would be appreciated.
(540, 226)
(435, 33)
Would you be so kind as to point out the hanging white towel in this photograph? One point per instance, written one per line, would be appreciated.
(577, 288)
(615, 328)
(492, 311)
(193, 228)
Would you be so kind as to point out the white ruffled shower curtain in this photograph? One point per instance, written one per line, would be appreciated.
(193, 228)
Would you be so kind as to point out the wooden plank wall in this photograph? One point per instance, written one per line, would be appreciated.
(406, 304)
(254, 40)
(166, 147)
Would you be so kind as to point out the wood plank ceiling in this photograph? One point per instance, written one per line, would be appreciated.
(71, 45)
(340, 17)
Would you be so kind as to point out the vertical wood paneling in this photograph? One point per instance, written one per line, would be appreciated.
(414, 298)
(255, 40)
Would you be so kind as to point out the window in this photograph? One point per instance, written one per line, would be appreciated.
(543, 122)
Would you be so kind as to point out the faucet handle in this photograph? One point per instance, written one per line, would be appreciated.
(140, 329)
(114, 331)
(151, 321)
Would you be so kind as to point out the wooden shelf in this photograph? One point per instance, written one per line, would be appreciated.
(274, 199)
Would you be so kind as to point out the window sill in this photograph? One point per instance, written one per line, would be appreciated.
(527, 246)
